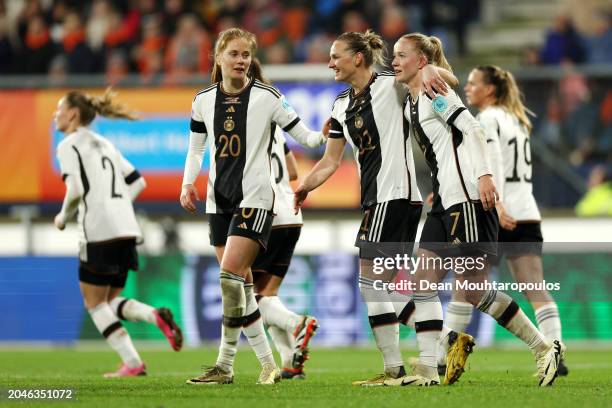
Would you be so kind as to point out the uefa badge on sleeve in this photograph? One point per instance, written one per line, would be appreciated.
(439, 104)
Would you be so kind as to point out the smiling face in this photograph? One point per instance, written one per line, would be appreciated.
(342, 61)
(64, 115)
(235, 59)
(407, 60)
(476, 90)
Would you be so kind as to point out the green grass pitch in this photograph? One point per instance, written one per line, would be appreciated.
(495, 378)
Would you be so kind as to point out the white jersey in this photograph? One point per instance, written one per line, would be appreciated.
(373, 124)
(283, 204)
(451, 157)
(102, 175)
(240, 167)
(508, 142)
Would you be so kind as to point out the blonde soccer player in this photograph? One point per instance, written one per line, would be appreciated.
(462, 222)
(101, 185)
(234, 117)
(504, 118)
(369, 117)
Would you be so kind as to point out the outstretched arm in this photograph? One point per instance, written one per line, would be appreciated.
(306, 137)
(321, 171)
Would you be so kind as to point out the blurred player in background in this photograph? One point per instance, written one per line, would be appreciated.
(270, 267)
(463, 214)
(369, 116)
(238, 110)
(504, 119)
(101, 185)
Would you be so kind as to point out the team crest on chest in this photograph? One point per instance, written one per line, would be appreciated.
(358, 121)
(228, 125)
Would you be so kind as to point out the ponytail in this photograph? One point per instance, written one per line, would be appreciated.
(369, 44)
(507, 93)
(104, 105)
(431, 47)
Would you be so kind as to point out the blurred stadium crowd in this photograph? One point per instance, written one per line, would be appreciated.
(170, 42)
(175, 37)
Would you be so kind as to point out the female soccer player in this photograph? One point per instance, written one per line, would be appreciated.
(369, 115)
(504, 119)
(101, 184)
(238, 110)
(463, 214)
(271, 266)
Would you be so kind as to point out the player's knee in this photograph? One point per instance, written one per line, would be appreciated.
(233, 266)
(473, 297)
(267, 291)
(91, 301)
(538, 296)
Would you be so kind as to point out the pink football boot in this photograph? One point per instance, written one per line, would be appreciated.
(168, 326)
(125, 371)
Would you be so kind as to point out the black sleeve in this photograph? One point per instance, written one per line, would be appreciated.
(336, 131)
(197, 127)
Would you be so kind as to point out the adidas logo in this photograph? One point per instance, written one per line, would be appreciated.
(242, 226)
(456, 241)
(230, 109)
(362, 237)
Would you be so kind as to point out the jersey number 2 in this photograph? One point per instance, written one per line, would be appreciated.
(113, 192)
(526, 149)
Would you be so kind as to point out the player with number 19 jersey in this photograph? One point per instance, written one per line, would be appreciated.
(103, 177)
(513, 175)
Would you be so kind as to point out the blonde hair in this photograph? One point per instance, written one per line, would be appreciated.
(90, 106)
(370, 44)
(431, 48)
(223, 40)
(507, 93)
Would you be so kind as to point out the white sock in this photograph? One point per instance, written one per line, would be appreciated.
(549, 321)
(428, 327)
(284, 343)
(509, 315)
(234, 305)
(384, 324)
(254, 330)
(116, 336)
(443, 345)
(133, 310)
(275, 313)
(458, 315)
(404, 308)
